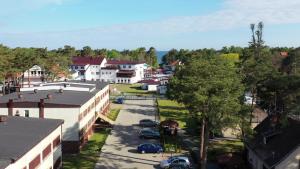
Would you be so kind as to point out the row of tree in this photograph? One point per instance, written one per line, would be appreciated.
(212, 84)
(17, 60)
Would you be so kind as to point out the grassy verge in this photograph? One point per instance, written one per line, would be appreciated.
(134, 89)
(89, 154)
(217, 148)
(172, 110)
(113, 114)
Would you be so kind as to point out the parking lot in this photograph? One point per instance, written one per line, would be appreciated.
(119, 151)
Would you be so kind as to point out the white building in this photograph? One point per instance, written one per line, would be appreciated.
(125, 71)
(87, 68)
(30, 143)
(34, 76)
(78, 104)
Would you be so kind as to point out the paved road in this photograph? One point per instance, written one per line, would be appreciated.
(119, 151)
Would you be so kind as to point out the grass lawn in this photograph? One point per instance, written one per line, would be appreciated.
(130, 89)
(113, 114)
(89, 154)
(172, 110)
(216, 148)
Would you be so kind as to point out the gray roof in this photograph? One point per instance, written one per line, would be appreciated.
(281, 140)
(20, 134)
(67, 97)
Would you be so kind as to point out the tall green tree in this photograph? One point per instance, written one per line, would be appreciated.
(256, 64)
(151, 57)
(210, 88)
(86, 51)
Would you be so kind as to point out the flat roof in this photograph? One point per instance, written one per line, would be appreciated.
(20, 134)
(66, 98)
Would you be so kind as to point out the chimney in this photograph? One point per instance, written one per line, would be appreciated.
(3, 118)
(10, 106)
(41, 108)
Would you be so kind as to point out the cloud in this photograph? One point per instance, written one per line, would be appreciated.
(9, 7)
(232, 15)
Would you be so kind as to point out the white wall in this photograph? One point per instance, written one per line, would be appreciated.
(108, 75)
(291, 162)
(69, 115)
(152, 87)
(38, 149)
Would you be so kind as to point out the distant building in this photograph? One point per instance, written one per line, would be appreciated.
(275, 145)
(150, 85)
(170, 67)
(33, 76)
(87, 68)
(78, 104)
(123, 71)
(30, 143)
(112, 71)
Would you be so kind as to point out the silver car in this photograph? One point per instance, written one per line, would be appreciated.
(174, 160)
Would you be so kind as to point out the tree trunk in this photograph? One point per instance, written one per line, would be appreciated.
(204, 143)
(28, 78)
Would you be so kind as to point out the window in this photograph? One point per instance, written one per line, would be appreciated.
(103, 73)
(56, 142)
(26, 113)
(124, 66)
(97, 73)
(76, 67)
(46, 151)
(82, 67)
(35, 162)
(129, 66)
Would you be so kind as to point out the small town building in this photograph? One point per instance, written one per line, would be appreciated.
(127, 71)
(30, 143)
(87, 68)
(149, 85)
(34, 75)
(275, 144)
(79, 104)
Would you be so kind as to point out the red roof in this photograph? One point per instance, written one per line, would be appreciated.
(123, 62)
(87, 60)
(284, 54)
(176, 62)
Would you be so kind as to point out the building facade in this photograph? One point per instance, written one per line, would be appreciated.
(30, 143)
(78, 104)
(87, 68)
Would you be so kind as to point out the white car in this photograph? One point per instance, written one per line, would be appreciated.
(174, 160)
(248, 100)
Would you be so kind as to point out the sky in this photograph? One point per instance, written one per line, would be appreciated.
(163, 24)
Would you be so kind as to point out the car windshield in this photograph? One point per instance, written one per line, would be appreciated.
(171, 159)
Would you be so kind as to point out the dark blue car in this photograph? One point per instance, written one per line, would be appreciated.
(149, 148)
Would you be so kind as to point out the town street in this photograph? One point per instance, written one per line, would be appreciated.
(119, 151)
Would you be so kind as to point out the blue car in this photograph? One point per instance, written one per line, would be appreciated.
(119, 100)
(149, 148)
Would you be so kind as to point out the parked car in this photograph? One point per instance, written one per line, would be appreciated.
(148, 123)
(149, 148)
(119, 100)
(179, 166)
(173, 161)
(149, 133)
